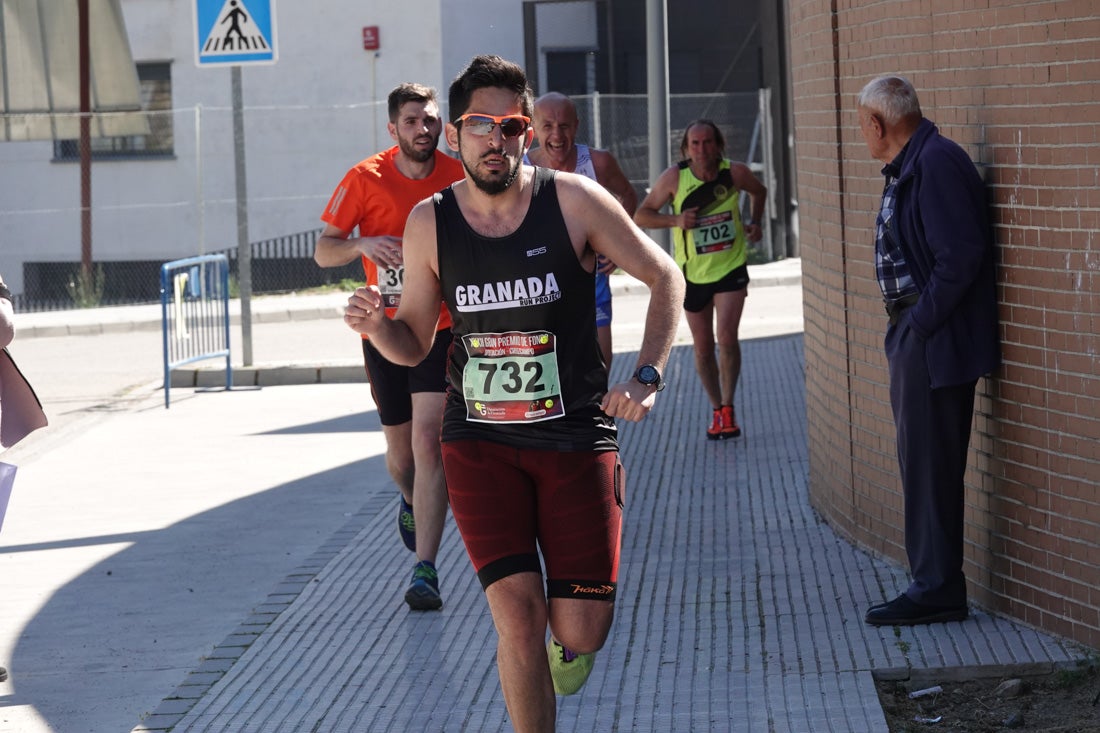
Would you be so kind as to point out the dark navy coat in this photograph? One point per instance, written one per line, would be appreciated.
(941, 223)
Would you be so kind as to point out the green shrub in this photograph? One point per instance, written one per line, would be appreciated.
(86, 289)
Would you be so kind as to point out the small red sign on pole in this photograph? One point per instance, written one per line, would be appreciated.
(370, 38)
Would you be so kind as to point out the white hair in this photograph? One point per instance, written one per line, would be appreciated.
(891, 96)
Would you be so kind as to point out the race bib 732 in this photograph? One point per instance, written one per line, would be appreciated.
(511, 377)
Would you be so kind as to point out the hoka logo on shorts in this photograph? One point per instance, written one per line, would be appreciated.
(602, 589)
(518, 293)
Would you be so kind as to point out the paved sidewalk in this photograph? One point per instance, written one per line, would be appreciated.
(739, 609)
(231, 565)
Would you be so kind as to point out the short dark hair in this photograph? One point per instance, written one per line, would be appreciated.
(718, 136)
(408, 92)
(485, 72)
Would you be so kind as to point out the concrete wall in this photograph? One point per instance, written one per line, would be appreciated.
(1014, 83)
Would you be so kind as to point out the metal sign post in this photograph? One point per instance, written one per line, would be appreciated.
(244, 247)
(235, 33)
(372, 41)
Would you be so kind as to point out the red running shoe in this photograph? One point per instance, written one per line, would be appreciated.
(714, 432)
(730, 428)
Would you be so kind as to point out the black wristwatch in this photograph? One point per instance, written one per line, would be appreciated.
(648, 375)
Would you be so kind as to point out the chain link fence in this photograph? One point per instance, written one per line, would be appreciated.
(168, 192)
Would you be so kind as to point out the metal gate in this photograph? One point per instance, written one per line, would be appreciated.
(194, 303)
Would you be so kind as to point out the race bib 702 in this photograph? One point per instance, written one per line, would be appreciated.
(714, 233)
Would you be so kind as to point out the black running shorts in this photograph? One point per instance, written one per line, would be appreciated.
(392, 384)
(698, 296)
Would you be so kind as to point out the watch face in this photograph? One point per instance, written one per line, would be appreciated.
(647, 374)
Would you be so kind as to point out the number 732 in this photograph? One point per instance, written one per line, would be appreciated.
(510, 376)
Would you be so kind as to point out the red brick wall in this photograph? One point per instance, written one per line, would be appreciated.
(1017, 84)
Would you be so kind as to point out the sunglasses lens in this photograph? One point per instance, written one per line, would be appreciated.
(512, 127)
(479, 125)
(483, 125)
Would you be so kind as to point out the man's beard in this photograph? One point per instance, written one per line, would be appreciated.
(410, 151)
(492, 186)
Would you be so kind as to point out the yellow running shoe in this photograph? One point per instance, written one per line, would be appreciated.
(568, 670)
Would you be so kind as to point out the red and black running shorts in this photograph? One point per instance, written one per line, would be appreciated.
(509, 503)
(391, 384)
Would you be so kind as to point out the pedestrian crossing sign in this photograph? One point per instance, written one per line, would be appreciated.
(234, 32)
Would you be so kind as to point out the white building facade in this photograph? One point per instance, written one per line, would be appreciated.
(320, 108)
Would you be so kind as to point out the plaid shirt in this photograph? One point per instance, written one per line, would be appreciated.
(890, 267)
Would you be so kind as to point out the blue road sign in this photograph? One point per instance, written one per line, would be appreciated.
(234, 32)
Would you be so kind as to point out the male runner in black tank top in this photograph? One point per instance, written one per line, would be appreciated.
(529, 445)
(499, 285)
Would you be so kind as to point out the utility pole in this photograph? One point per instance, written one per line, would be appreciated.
(656, 17)
(84, 51)
(244, 249)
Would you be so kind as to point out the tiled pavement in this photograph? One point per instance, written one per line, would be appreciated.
(738, 610)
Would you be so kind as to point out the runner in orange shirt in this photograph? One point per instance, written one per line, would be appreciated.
(376, 197)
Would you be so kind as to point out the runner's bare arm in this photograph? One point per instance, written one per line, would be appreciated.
(407, 338)
(660, 195)
(611, 177)
(594, 217)
(335, 248)
(744, 179)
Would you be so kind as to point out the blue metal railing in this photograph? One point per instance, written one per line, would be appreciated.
(194, 304)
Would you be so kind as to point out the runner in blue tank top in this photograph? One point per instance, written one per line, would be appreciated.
(555, 122)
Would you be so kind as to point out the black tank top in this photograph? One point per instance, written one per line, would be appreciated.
(525, 367)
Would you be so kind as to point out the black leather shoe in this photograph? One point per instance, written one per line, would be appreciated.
(904, 612)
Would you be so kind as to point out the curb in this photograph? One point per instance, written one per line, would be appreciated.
(270, 375)
(148, 317)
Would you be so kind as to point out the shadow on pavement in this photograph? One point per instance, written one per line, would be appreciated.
(105, 648)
